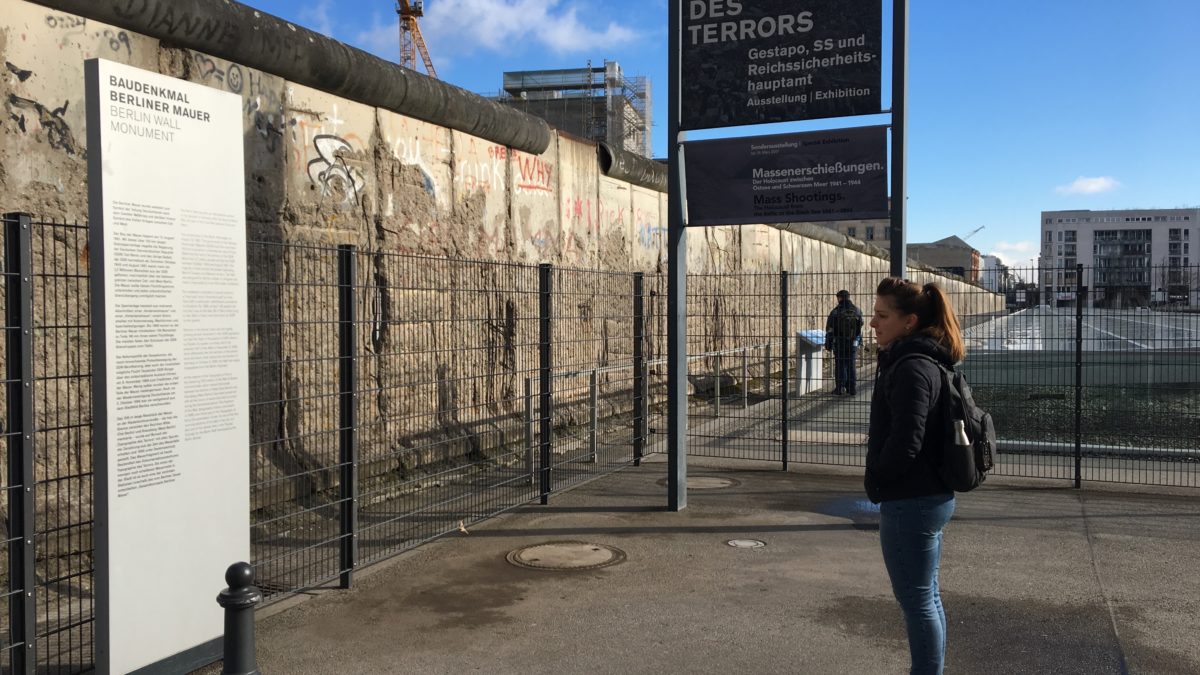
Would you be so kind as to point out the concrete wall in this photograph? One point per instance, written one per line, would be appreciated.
(324, 170)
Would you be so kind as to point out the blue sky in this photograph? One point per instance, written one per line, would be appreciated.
(1014, 108)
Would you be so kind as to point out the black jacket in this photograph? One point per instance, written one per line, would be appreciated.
(907, 425)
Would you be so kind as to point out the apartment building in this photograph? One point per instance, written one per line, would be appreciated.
(1130, 258)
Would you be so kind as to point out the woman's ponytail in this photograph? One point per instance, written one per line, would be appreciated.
(942, 322)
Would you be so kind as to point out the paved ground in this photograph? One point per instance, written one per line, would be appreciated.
(1038, 578)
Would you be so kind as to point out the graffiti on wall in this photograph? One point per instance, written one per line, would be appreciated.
(581, 211)
(72, 27)
(419, 144)
(32, 117)
(332, 172)
(534, 176)
(262, 104)
(612, 214)
(475, 170)
(333, 162)
(206, 69)
(650, 234)
(180, 23)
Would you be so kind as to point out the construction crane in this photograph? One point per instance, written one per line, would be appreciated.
(411, 41)
(974, 232)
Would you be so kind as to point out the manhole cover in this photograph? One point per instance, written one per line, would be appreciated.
(706, 482)
(566, 555)
(746, 543)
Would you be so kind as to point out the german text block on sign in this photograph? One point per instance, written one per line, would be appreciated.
(759, 61)
(815, 176)
(170, 391)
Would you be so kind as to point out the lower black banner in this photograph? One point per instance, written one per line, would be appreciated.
(839, 174)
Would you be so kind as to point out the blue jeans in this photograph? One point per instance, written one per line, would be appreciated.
(844, 373)
(910, 534)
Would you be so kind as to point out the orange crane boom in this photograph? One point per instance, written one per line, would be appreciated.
(411, 41)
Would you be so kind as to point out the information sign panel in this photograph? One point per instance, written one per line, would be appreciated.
(839, 174)
(758, 61)
(171, 421)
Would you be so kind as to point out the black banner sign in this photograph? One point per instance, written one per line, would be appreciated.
(815, 176)
(758, 61)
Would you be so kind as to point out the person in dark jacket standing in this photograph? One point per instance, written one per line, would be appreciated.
(842, 330)
(903, 447)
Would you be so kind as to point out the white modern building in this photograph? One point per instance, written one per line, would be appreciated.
(994, 275)
(1130, 258)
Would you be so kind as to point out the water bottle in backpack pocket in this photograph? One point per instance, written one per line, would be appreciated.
(969, 448)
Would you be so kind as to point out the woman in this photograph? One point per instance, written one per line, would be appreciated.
(912, 322)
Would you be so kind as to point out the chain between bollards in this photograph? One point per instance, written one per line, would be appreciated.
(239, 600)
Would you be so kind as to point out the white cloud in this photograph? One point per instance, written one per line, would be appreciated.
(499, 25)
(317, 17)
(382, 39)
(1016, 253)
(1088, 186)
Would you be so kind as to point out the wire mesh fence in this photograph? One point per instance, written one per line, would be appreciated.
(47, 431)
(1082, 387)
(1089, 379)
(447, 349)
(397, 398)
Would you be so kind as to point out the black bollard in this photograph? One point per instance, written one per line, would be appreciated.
(239, 601)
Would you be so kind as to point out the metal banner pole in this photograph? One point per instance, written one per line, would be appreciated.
(899, 201)
(676, 280)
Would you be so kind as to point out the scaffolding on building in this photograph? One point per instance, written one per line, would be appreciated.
(597, 103)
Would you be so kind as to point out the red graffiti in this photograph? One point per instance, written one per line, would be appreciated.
(581, 209)
(535, 174)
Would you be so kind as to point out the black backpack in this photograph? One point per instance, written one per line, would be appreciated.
(969, 450)
(846, 322)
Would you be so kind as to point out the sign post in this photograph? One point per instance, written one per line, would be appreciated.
(740, 62)
(898, 248)
(677, 360)
(167, 247)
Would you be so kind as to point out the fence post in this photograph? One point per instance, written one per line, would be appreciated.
(801, 369)
(1080, 292)
(783, 333)
(529, 432)
(18, 290)
(594, 430)
(348, 410)
(640, 423)
(717, 385)
(767, 371)
(545, 363)
(745, 378)
(239, 600)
